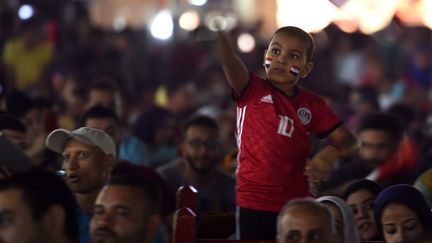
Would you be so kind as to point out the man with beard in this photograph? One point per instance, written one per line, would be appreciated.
(197, 166)
(88, 157)
(126, 211)
(385, 155)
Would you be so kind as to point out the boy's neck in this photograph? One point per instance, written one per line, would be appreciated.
(285, 89)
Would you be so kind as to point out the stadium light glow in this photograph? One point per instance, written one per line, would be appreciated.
(246, 42)
(162, 26)
(26, 11)
(189, 20)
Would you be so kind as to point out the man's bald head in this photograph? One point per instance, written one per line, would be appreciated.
(304, 219)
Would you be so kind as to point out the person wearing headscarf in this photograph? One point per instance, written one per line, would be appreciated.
(346, 229)
(402, 214)
(360, 196)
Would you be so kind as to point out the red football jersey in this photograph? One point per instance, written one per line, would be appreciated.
(273, 139)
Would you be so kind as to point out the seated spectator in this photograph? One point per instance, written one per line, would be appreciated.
(126, 210)
(87, 175)
(40, 119)
(304, 220)
(198, 166)
(105, 92)
(88, 158)
(360, 196)
(129, 148)
(71, 101)
(13, 129)
(402, 214)
(157, 129)
(28, 57)
(37, 206)
(424, 184)
(384, 156)
(346, 232)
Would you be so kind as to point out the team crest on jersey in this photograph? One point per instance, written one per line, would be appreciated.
(305, 115)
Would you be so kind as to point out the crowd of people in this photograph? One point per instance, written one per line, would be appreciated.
(322, 137)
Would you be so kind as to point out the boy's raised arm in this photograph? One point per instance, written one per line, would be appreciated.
(234, 69)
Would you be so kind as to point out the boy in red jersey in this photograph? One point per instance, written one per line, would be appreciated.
(275, 118)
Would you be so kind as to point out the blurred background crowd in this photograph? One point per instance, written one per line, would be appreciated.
(153, 63)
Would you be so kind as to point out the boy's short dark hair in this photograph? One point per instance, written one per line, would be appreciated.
(43, 189)
(302, 35)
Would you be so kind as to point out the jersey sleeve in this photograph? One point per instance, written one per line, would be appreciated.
(255, 84)
(325, 119)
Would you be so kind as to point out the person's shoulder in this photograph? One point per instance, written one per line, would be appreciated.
(310, 97)
(255, 76)
(133, 143)
(255, 79)
(224, 176)
(303, 92)
(171, 166)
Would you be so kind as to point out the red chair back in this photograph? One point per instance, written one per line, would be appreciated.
(187, 197)
(184, 226)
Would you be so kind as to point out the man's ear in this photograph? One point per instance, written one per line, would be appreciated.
(109, 162)
(307, 69)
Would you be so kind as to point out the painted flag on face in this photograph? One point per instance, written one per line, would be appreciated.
(268, 62)
(295, 70)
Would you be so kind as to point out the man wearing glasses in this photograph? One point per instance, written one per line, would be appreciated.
(198, 166)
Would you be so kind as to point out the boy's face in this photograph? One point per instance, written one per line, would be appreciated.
(286, 61)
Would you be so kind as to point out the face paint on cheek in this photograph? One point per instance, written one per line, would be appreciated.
(268, 62)
(294, 70)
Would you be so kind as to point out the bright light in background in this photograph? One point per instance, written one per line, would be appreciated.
(427, 13)
(410, 12)
(26, 11)
(216, 22)
(119, 24)
(162, 25)
(189, 20)
(372, 15)
(246, 42)
(347, 26)
(310, 15)
(197, 2)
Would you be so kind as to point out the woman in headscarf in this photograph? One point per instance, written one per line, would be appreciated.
(360, 196)
(402, 214)
(346, 230)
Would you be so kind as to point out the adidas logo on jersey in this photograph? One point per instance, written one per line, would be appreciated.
(267, 99)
